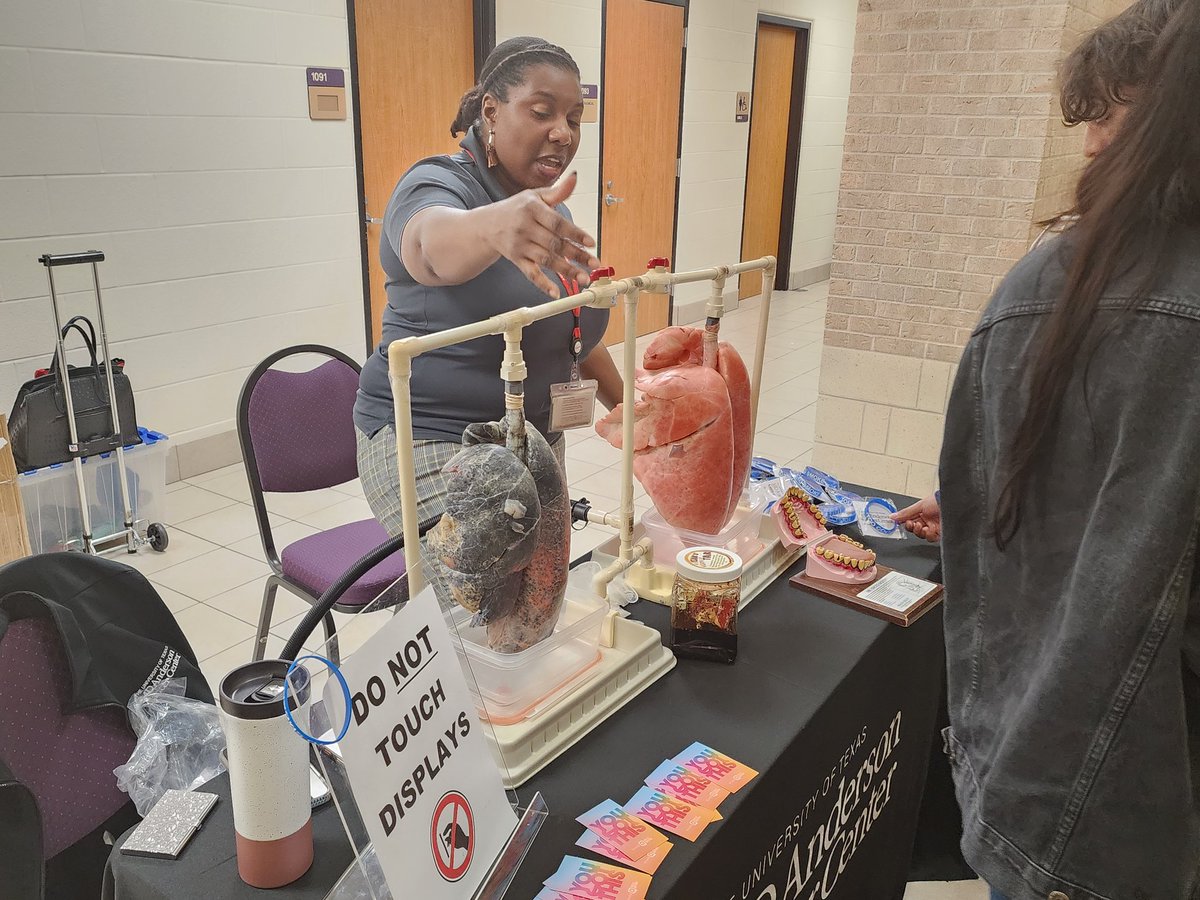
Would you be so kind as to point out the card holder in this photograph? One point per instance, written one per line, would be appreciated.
(170, 824)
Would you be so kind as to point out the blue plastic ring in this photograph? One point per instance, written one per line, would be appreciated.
(810, 487)
(822, 478)
(838, 513)
(345, 692)
(891, 525)
(846, 499)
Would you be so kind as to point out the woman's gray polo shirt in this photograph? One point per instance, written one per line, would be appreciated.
(458, 385)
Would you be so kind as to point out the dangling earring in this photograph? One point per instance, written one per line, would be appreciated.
(491, 149)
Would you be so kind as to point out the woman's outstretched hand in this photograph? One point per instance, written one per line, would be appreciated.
(923, 518)
(527, 230)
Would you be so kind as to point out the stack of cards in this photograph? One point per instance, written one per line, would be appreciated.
(583, 879)
(614, 832)
(680, 796)
(708, 763)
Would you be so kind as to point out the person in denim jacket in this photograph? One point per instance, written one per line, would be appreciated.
(1101, 77)
(1070, 514)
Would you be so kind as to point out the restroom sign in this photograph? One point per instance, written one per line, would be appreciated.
(419, 767)
(742, 107)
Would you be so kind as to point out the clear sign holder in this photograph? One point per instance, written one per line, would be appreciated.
(364, 878)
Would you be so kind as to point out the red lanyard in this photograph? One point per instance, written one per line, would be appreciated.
(576, 345)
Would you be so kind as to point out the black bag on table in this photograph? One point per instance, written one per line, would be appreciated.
(38, 424)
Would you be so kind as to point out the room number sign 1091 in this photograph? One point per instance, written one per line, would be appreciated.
(326, 77)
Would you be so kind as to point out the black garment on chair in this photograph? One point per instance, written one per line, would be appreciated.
(118, 634)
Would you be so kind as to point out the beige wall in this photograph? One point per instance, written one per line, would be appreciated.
(720, 62)
(175, 137)
(954, 149)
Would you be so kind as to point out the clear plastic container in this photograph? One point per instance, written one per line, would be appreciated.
(51, 498)
(740, 535)
(513, 685)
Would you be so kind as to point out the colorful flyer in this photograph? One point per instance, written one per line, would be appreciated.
(648, 863)
(672, 778)
(620, 830)
(587, 880)
(671, 814)
(708, 763)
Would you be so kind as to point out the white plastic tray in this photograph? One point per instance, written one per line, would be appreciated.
(760, 570)
(635, 661)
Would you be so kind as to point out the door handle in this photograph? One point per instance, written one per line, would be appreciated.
(372, 220)
(610, 200)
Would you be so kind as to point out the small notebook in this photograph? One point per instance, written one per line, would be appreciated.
(166, 829)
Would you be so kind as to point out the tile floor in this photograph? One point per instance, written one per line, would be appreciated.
(212, 574)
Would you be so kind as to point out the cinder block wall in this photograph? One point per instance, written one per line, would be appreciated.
(954, 150)
(174, 136)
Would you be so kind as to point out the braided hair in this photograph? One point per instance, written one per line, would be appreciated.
(505, 68)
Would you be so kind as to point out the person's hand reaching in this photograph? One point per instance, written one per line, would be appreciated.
(529, 231)
(923, 518)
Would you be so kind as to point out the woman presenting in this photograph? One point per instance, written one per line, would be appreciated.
(470, 236)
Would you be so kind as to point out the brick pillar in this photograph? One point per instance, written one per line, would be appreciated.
(954, 150)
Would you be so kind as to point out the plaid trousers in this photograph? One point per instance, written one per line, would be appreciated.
(378, 470)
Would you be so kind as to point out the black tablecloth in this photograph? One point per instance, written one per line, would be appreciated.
(811, 680)
(207, 868)
(816, 689)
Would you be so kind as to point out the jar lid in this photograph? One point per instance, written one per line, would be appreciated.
(708, 565)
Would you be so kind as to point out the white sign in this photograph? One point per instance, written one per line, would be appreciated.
(419, 767)
(897, 591)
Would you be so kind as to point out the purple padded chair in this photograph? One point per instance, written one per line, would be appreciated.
(66, 760)
(297, 434)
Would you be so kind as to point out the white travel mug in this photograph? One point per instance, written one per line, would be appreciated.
(268, 771)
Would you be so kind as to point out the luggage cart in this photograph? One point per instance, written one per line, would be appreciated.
(134, 535)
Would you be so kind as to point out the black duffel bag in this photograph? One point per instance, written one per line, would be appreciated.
(38, 424)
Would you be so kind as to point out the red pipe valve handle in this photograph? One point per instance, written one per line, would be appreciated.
(603, 272)
(659, 262)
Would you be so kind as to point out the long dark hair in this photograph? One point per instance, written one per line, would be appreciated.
(1112, 61)
(505, 68)
(1106, 68)
(1131, 201)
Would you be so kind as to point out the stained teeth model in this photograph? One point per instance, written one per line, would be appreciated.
(842, 559)
(798, 519)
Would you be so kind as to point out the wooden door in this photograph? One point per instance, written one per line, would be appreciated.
(414, 65)
(643, 70)
(775, 111)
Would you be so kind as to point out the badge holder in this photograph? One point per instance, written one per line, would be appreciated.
(364, 877)
(573, 403)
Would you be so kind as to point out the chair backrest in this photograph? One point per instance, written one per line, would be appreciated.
(65, 759)
(297, 428)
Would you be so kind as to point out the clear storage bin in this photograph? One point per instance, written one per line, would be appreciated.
(51, 498)
(740, 535)
(513, 685)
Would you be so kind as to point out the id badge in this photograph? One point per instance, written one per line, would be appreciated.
(573, 404)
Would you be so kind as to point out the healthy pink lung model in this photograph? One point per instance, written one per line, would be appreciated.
(692, 441)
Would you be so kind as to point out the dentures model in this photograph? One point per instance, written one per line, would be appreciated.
(798, 518)
(841, 559)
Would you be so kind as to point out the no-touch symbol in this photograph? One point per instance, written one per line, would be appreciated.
(452, 835)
